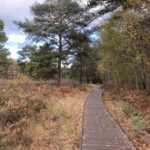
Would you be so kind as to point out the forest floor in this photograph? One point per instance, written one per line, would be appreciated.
(40, 115)
(131, 109)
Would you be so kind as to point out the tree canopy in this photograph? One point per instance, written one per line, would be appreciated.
(121, 57)
(125, 48)
(52, 22)
(38, 63)
(4, 61)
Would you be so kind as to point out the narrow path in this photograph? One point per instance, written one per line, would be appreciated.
(100, 131)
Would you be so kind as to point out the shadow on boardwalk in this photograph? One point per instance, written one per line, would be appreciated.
(100, 131)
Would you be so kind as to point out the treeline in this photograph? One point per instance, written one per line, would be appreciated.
(67, 52)
(125, 46)
(61, 25)
(81, 64)
(5, 62)
(120, 57)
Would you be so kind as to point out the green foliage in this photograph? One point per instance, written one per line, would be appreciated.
(137, 118)
(124, 50)
(127, 110)
(39, 63)
(52, 22)
(61, 112)
(39, 106)
(85, 60)
(137, 5)
(4, 61)
(79, 43)
(11, 115)
(70, 130)
(3, 37)
(138, 124)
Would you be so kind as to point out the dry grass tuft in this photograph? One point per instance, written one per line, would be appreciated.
(40, 115)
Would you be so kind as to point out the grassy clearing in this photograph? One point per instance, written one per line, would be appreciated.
(40, 115)
(131, 110)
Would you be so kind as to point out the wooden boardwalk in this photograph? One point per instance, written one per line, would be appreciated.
(100, 131)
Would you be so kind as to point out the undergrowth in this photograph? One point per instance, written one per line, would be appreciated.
(35, 115)
(131, 110)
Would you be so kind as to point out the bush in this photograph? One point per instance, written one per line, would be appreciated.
(70, 129)
(138, 124)
(39, 106)
(12, 115)
(24, 139)
(61, 112)
(3, 100)
(130, 111)
(127, 110)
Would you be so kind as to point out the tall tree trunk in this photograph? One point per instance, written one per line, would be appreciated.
(81, 75)
(136, 80)
(87, 78)
(81, 71)
(59, 61)
(59, 72)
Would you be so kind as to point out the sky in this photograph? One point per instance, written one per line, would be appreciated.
(17, 10)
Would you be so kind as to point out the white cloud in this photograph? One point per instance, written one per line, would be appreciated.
(96, 9)
(14, 40)
(11, 10)
(82, 2)
(13, 49)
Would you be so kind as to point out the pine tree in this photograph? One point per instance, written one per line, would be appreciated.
(85, 62)
(52, 21)
(4, 61)
(79, 45)
(38, 63)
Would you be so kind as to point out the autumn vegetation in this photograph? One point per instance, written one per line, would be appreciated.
(42, 93)
(125, 64)
(39, 115)
(124, 50)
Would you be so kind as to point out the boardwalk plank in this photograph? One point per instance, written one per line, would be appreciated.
(100, 131)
